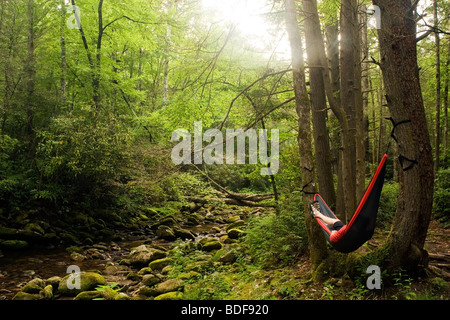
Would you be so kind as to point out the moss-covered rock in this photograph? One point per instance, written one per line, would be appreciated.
(35, 228)
(53, 281)
(170, 285)
(88, 281)
(159, 264)
(13, 244)
(122, 296)
(141, 256)
(34, 286)
(170, 296)
(147, 291)
(168, 221)
(189, 275)
(183, 233)
(47, 292)
(199, 266)
(235, 233)
(89, 295)
(7, 233)
(68, 238)
(151, 279)
(26, 296)
(166, 233)
(228, 257)
(236, 224)
(212, 245)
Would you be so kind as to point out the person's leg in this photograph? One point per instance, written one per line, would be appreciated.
(325, 219)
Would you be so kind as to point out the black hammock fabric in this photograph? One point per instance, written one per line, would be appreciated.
(362, 225)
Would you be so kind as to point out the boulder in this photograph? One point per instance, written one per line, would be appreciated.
(166, 233)
(189, 275)
(77, 257)
(13, 244)
(170, 296)
(144, 271)
(170, 285)
(147, 291)
(150, 280)
(122, 296)
(88, 281)
(47, 292)
(26, 296)
(200, 266)
(35, 228)
(159, 264)
(212, 245)
(228, 257)
(183, 233)
(7, 233)
(34, 286)
(141, 256)
(53, 281)
(35, 290)
(236, 224)
(235, 233)
(89, 295)
(166, 221)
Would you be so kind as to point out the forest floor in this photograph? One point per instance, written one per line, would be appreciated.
(210, 263)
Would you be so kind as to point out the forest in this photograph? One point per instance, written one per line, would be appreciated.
(173, 149)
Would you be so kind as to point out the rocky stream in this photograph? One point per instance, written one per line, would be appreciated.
(133, 262)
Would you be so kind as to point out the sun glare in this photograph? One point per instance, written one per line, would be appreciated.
(249, 18)
(246, 14)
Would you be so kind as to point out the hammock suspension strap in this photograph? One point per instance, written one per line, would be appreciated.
(401, 158)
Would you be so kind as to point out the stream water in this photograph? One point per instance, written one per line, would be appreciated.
(19, 267)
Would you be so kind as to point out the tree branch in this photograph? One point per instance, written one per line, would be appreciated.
(246, 89)
(128, 18)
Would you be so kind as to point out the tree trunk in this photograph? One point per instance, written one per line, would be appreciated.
(314, 44)
(332, 36)
(30, 71)
(345, 175)
(317, 245)
(362, 87)
(445, 134)
(348, 23)
(437, 137)
(92, 66)
(397, 38)
(165, 94)
(62, 32)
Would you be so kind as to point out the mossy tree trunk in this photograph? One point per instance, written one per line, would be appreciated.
(317, 245)
(314, 46)
(397, 38)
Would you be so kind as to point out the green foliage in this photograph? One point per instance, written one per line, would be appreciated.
(80, 155)
(388, 204)
(109, 291)
(7, 181)
(15, 179)
(441, 204)
(275, 239)
(403, 283)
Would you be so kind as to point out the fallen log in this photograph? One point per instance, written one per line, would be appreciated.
(231, 201)
(439, 256)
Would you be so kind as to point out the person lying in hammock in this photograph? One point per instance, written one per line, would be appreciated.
(335, 225)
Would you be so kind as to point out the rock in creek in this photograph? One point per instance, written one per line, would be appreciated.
(141, 256)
